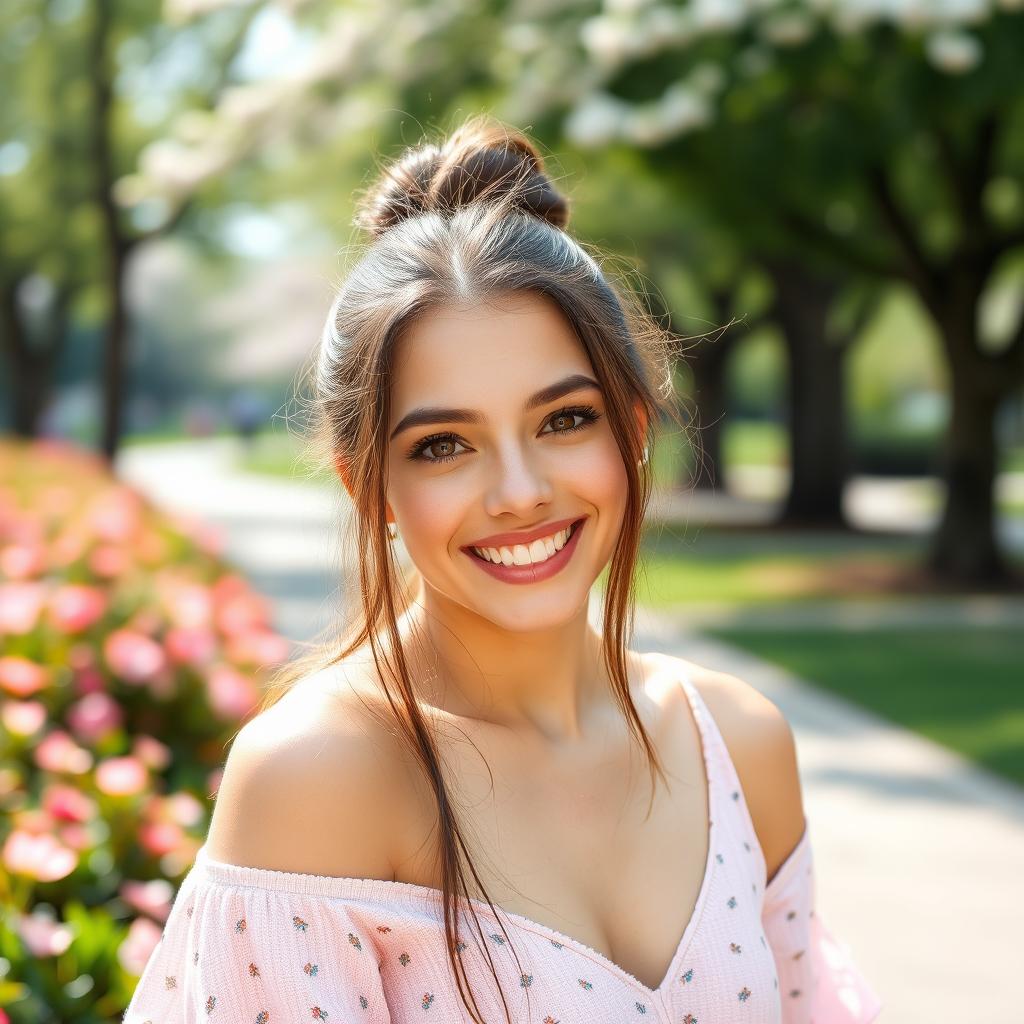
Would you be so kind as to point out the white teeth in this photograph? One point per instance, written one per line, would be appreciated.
(526, 554)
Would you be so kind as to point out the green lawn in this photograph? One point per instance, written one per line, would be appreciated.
(963, 688)
(690, 566)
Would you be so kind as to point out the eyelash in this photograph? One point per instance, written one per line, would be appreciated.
(588, 412)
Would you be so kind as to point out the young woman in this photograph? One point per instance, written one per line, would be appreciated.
(444, 818)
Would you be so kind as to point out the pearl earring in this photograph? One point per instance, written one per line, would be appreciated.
(392, 531)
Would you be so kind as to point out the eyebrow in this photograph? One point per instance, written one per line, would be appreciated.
(436, 414)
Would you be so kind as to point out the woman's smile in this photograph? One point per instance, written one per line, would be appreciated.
(539, 560)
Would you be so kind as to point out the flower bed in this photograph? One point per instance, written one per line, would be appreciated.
(130, 655)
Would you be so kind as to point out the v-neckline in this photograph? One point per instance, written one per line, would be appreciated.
(330, 885)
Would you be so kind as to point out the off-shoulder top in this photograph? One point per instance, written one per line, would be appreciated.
(247, 945)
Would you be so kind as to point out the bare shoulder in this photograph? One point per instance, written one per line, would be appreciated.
(313, 784)
(762, 746)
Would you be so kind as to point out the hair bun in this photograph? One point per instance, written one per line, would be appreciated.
(483, 160)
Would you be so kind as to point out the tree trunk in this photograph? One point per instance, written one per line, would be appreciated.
(708, 368)
(964, 549)
(114, 350)
(815, 397)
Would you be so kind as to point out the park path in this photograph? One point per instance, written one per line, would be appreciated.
(918, 852)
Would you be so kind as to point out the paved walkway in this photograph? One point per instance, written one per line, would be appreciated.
(919, 853)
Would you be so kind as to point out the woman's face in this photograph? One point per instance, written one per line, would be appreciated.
(498, 427)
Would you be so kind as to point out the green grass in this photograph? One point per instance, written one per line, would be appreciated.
(962, 687)
(697, 565)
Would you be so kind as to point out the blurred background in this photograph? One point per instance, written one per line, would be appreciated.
(824, 201)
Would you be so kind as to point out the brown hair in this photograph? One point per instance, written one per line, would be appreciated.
(472, 218)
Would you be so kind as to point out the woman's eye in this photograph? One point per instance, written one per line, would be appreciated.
(563, 419)
(438, 448)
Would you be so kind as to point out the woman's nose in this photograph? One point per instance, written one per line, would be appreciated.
(519, 482)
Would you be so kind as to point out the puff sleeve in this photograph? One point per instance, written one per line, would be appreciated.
(258, 955)
(819, 982)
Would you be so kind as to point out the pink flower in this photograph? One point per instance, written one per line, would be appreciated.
(78, 837)
(20, 606)
(189, 605)
(109, 561)
(151, 752)
(133, 657)
(75, 607)
(115, 515)
(42, 935)
(65, 803)
(195, 647)
(21, 677)
(94, 716)
(185, 809)
(232, 695)
(153, 898)
(40, 857)
(160, 837)
(138, 945)
(121, 776)
(22, 561)
(243, 613)
(259, 647)
(23, 717)
(89, 680)
(58, 752)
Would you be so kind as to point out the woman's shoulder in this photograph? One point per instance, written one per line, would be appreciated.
(313, 784)
(762, 747)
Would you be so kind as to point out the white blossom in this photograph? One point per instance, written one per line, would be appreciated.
(596, 120)
(787, 28)
(953, 51)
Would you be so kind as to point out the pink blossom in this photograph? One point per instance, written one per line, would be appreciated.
(40, 857)
(185, 809)
(20, 606)
(22, 561)
(121, 776)
(189, 605)
(75, 607)
(134, 952)
(195, 647)
(242, 614)
(94, 716)
(259, 647)
(22, 677)
(78, 837)
(232, 695)
(160, 837)
(65, 803)
(109, 561)
(89, 680)
(42, 935)
(133, 657)
(153, 898)
(58, 752)
(151, 752)
(23, 717)
(115, 515)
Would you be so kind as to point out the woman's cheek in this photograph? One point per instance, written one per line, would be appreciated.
(430, 513)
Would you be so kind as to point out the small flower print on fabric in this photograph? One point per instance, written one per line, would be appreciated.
(793, 993)
(687, 977)
(459, 946)
(796, 956)
(262, 1017)
(550, 1020)
(383, 929)
(556, 944)
(318, 1013)
(719, 858)
(735, 947)
(311, 969)
(354, 940)
(211, 1002)
(188, 913)
(640, 1008)
(689, 1019)
(254, 971)
(731, 903)
(428, 998)
(195, 957)
(585, 984)
(791, 915)
(744, 994)
(746, 846)
(735, 794)
(300, 925)
(499, 939)
(525, 980)
(240, 926)
(405, 959)
(363, 1002)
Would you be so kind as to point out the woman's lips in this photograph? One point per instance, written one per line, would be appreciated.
(533, 573)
